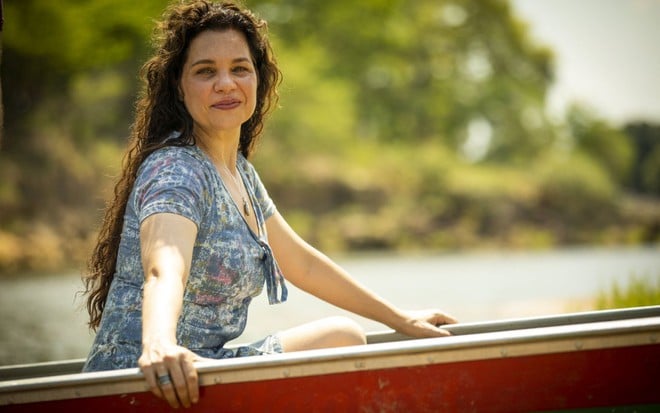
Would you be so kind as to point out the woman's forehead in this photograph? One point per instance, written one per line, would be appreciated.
(219, 45)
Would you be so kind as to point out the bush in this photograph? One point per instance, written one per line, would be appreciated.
(576, 193)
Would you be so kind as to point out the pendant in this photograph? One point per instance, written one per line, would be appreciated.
(246, 209)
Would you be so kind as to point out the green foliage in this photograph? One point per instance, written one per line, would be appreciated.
(608, 146)
(574, 182)
(48, 45)
(645, 174)
(317, 111)
(424, 71)
(74, 35)
(576, 197)
(650, 171)
(638, 292)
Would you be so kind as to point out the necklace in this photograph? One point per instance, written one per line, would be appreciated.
(246, 208)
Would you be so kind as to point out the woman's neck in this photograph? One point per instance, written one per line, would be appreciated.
(221, 148)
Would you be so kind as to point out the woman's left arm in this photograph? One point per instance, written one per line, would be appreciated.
(313, 272)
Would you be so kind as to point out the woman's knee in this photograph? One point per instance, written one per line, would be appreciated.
(328, 332)
(346, 332)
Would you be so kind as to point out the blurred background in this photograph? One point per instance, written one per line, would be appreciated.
(495, 158)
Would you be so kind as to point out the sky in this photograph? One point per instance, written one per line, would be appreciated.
(607, 54)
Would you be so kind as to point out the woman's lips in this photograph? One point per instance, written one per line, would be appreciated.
(226, 104)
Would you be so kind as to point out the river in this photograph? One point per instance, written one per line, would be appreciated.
(41, 319)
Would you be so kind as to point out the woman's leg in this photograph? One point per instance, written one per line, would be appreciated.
(327, 332)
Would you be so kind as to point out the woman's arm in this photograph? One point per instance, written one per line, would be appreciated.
(315, 273)
(167, 242)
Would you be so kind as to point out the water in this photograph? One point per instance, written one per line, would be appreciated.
(41, 319)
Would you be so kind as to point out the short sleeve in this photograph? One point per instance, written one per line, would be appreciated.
(170, 180)
(261, 195)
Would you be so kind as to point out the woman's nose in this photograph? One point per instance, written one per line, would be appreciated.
(223, 82)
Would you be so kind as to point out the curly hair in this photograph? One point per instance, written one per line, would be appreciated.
(160, 111)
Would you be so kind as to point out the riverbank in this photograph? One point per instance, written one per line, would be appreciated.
(374, 198)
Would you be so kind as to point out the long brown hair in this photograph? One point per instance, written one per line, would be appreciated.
(160, 111)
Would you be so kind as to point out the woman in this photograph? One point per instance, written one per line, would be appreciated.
(192, 235)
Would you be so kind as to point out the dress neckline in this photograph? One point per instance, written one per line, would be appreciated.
(258, 215)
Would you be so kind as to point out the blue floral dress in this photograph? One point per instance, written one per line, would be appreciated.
(230, 263)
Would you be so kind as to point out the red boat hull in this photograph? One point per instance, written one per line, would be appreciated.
(611, 378)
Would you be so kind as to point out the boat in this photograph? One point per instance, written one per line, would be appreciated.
(596, 361)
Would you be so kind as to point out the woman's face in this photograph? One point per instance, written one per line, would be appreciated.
(219, 82)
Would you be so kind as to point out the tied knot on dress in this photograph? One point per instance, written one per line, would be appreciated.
(274, 278)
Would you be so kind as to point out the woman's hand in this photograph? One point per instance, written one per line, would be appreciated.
(170, 373)
(422, 324)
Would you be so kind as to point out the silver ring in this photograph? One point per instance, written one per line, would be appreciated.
(165, 379)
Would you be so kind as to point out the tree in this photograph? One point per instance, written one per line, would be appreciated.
(608, 146)
(51, 44)
(426, 70)
(645, 174)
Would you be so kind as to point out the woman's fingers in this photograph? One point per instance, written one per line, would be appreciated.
(150, 375)
(183, 375)
(173, 377)
(166, 385)
(449, 319)
(440, 318)
(431, 329)
(190, 376)
(179, 386)
(426, 323)
(184, 378)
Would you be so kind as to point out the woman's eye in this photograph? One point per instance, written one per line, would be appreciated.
(241, 69)
(205, 71)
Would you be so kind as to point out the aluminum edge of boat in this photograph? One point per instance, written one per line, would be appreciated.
(579, 332)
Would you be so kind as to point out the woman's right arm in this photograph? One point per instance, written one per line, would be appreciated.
(166, 242)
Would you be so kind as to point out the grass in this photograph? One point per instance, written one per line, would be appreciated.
(639, 291)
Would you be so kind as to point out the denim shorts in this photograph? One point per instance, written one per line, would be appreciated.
(269, 345)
